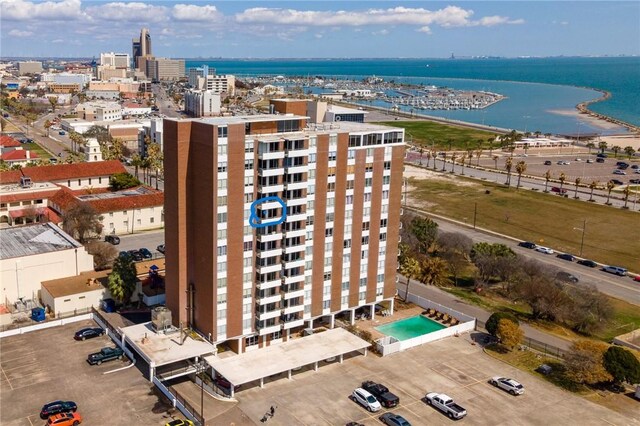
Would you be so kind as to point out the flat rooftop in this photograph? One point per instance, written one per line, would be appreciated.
(85, 282)
(278, 358)
(141, 190)
(34, 239)
(161, 349)
(336, 109)
(241, 119)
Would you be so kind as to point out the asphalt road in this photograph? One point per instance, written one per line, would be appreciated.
(620, 287)
(147, 239)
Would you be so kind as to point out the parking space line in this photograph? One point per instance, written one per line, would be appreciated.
(6, 377)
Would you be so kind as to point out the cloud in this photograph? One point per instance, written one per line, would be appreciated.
(18, 33)
(383, 32)
(20, 10)
(128, 12)
(193, 13)
(450, 16)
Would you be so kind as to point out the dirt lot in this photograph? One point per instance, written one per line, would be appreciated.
(452, 366)
(48, 365)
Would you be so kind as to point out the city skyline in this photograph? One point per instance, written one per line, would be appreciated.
(75, 28)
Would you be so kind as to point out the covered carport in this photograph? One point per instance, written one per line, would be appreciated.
(286, 356)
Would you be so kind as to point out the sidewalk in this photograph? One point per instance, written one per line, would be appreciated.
(444, 298)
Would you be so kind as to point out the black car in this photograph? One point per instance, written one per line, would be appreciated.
(135, 255)
(381, 393)
(527, 244)
(160, 248)
(113, 239)
(599, 160)
(88, 333)
(636, 181)
(622, 164)
(145, 253)
(601, 155)
(547, 163)
(587, 262)
(566, 256)
(567, 277)
(57, 407)
(616, 182)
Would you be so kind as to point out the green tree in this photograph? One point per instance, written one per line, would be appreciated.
(610, 186)
(491, 249)
(602, 145)
(626, 191)
(562, 178)
(410, 269)
(53, 100)
(47, 126)
(547, 178)
(509, 333)
(616, 149)
(123, 278)
(629, 151)
(120, 181)
(492, 323)
(577, 183)
(508, 164)
(426, 231)
(81, 221)
(521, 167)
(136, 161)
(433, 271)
(590, 145)
(622, 365)
(155, 157)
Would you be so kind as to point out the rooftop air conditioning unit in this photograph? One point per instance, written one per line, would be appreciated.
(160, 319)
(25, 182)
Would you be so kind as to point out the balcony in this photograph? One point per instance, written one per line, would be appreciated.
(294, 279)
(271, 155)
(295, 248)
(269, 253)
(271, 268)
(268, 299)
(271, 188)
(288, 264)
(297, 169)
(269, 284)
(297, 185)
(269, 330)
(293, 324)
(271, 172)
(263, 316)
(293, 294)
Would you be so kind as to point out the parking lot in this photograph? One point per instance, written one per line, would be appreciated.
(452, 366)
(577, 167)
(49, 365)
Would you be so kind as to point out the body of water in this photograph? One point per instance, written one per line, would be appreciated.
(540, 91)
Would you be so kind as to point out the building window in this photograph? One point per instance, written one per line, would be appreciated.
(222, 150)
(327, 276)
(332, 155)
(248, 164)
(326, 304)
(248, 246)
(246, 323)
(222, 184)
(222, 314)
(251, 341)
(328, 232)
(276, 335)
(222, 330)
(222, 234)
(222, 201)
(345, 286)
(246, 293)
(139, 221)
(222, 166)
(222, 217)
(222, 251)
(222, 298)
(222, 266)
(222, 282)
(248, 147)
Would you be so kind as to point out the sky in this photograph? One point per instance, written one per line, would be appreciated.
(327, 29)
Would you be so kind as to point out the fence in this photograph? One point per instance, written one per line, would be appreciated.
(534, 344)
(44, 324)
(188, 409)
(27, 323)
(426, 304)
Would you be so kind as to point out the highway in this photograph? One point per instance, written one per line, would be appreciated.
(620, 287)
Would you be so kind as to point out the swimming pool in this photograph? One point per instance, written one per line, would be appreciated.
(410, 327)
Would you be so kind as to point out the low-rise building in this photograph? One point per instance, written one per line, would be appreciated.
(35, 253)
(18, 157)
(130, 109)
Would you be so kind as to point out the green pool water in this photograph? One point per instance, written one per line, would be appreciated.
(410, 327)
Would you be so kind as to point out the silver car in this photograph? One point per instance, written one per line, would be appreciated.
(509, 385)
(367, 400)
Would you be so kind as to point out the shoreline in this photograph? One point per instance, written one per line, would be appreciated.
(583, 108)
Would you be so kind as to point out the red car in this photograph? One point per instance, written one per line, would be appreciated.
(65, 419)
(558, 190)
(637, 278)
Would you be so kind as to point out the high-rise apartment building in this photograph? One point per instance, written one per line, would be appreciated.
(163, 69)
(272, 224)
(202, 103)
(196, 72)
(141, 47)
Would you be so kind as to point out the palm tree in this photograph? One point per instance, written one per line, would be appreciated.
(547, 178)
(435, 155)
(590, 145)
(615, 150)
(462, 158)
(428, 157)
(453, 162)
(629, 151)
(626, 191)
(577, 182)
(421, 152)
(47, 125)
(136, 161)
(508, 164)
(478, 155)
(602, 145)
(527, 135)
(495, 161)
(410, 269)
(562, 178)
(547, 135)
(537, 133)
(521, 167)
(434, 271)
(444, 160)
(593, 185)
(610, 186)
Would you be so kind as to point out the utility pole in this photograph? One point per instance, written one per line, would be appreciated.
(475, 214)
(583, 229)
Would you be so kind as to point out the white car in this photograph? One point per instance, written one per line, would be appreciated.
(509, 385)
(367, 400)
(545, 250)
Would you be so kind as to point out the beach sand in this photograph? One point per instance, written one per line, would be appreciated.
(588, 119)
(623, 141)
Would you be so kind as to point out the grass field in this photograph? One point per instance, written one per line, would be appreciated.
(34, 147)
(428, 133)
(612, 235)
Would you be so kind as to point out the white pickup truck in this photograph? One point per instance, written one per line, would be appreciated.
(445, 404)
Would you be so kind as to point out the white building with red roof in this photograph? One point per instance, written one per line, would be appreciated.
(18, 157)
